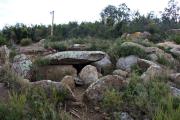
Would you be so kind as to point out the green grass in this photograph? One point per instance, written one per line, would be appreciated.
(170, 111)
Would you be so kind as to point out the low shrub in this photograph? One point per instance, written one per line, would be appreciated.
(11, 79)
(112, 100)
(59, 46)
(54, 38)
(34, 104)
(114, 49)
(12, 54)
(143, 100)
(120, 49)
(14, 110)
(41, 62)
(137, 69)
(25, 42)
(131, 50)
(145, 97)
(162, 60)
(155, 38)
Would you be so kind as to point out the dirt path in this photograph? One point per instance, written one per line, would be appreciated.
(81, 111)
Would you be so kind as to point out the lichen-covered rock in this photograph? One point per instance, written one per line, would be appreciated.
(125, 63)
(160, 54)
(151, 70)
(49, 86)
(153, 57)
(88, 75)
(69, 80)
(120, 73)
(175, 51)
(168, 45)
(175, 91)
(22, 66)
(145, 64)
(75, 57)
(53, 72)
(122, 116)
(137, 36)
(96, 90)
(78, 47)
(4, 55)
(175, 78)
(132, 45)
(104, 65)
(151, 73)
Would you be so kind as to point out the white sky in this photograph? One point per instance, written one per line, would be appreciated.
(38, 11)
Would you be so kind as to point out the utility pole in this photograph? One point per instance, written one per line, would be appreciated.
(52, 13)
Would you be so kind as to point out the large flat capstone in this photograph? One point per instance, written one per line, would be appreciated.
(75, 57)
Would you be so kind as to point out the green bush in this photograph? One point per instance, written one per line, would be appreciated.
(25, 42)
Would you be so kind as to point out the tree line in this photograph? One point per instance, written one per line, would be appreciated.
(114, 22)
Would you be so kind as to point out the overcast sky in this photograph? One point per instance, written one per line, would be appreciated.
(38, 11)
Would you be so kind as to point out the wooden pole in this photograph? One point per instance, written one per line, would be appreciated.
(52, 26)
